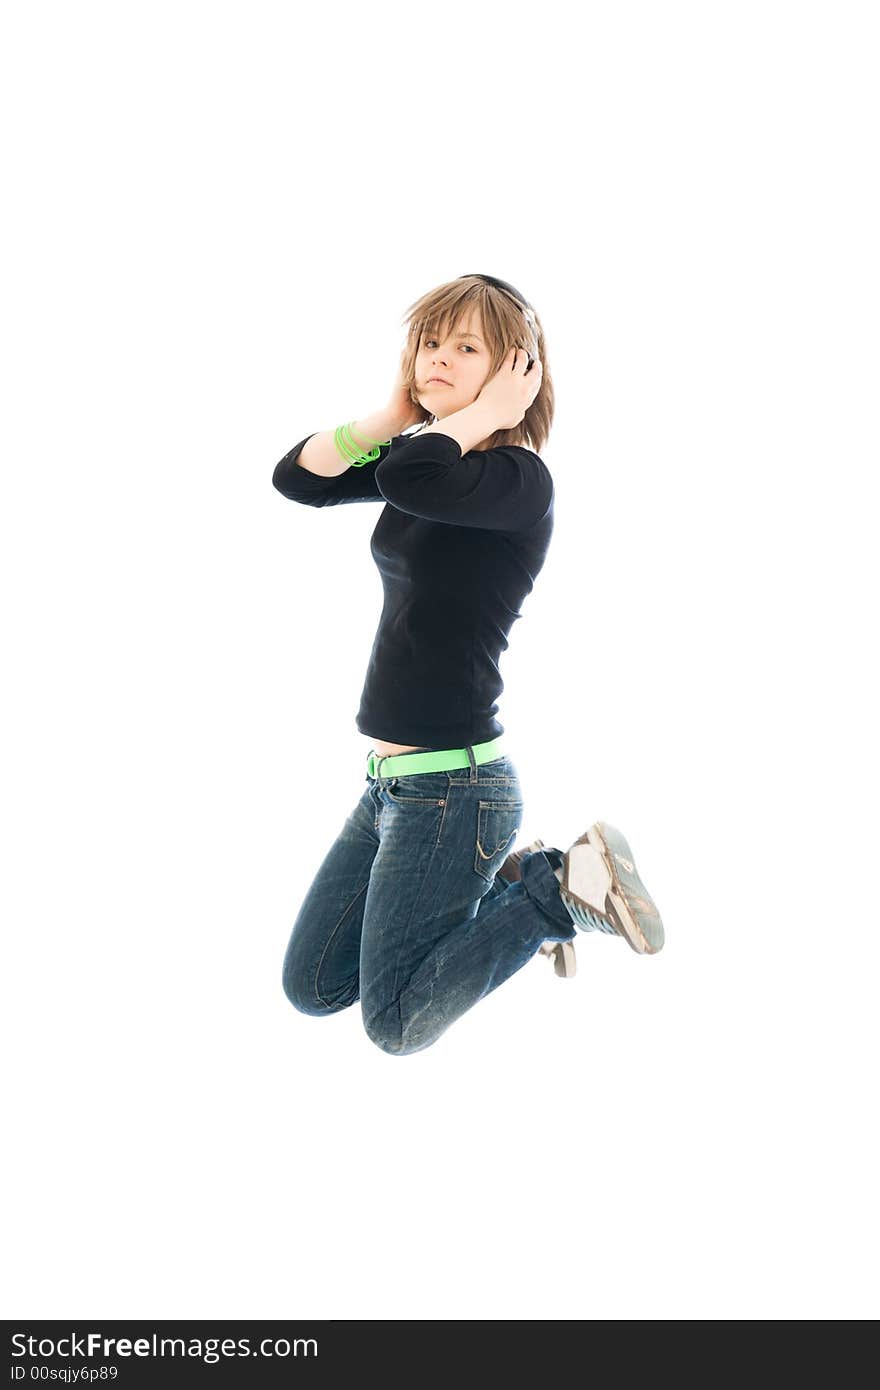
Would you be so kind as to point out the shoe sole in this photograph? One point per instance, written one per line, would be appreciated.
(628, 899)
(564, 958)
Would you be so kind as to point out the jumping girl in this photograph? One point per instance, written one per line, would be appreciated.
(420, 908)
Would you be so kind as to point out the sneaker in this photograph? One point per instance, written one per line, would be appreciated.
(560, 952)
(603, 892)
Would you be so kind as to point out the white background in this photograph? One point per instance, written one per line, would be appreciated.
(217, 216)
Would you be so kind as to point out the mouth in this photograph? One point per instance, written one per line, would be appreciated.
(437, 381)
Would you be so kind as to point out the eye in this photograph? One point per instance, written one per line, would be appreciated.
(470, 348)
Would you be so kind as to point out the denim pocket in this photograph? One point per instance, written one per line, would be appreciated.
(419, 789)
(497, 824)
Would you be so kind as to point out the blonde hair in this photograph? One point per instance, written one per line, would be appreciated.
(506, 324)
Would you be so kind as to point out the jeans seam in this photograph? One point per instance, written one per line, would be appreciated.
(395, 998)
(320, 998)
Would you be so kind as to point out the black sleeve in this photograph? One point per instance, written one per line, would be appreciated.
(504, 489)
(354, 485)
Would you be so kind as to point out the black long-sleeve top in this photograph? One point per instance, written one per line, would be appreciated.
(459, 545)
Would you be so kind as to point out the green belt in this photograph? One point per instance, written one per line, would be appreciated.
(438, 760)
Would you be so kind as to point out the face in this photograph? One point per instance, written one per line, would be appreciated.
(462, 359)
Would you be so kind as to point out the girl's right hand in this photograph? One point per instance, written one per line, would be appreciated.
(401, 404)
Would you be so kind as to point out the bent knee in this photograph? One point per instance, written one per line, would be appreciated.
(304, 997)
(387, 1034)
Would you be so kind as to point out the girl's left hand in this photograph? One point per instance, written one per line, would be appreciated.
(510, 391)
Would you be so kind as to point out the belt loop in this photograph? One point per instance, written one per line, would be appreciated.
(469, 749)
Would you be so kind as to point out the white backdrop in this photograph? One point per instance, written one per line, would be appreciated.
(219, 215)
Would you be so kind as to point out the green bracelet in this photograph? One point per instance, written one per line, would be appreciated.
(348, 448)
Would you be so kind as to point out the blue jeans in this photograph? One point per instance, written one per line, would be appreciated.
(406, 913)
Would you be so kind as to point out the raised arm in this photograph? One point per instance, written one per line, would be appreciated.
(508, 488)
(320, 455)
(441, 475)
(315, 473)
